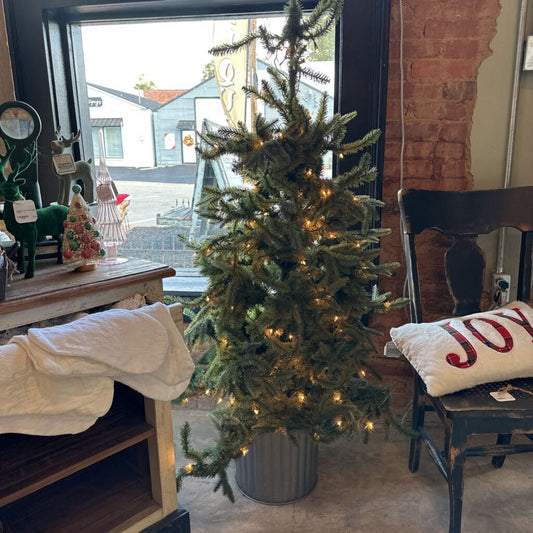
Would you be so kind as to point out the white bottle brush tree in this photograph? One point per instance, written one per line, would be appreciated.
(291, 281)
(108, 217)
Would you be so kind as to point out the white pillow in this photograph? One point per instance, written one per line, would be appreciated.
(459, 353)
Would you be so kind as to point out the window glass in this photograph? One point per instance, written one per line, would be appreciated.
(152, 95)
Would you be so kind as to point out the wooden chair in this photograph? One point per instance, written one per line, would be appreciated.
(463, 216)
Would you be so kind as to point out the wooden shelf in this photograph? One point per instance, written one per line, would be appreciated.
(117, 476)
(29, 463)
(100, 498)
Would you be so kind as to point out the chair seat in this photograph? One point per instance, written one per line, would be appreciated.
(478, 399)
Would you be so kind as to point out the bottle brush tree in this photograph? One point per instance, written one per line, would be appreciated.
(290, 281)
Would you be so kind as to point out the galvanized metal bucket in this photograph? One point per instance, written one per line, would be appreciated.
(276, 470)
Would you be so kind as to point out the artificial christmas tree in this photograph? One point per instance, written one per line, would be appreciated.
(82, 242)
(292, 279)
(108, 217)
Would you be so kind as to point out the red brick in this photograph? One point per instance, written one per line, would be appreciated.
(419, 150)
(453, 169)
(442, 69)
(460, 48)
(422, 131)
(418, 168)
(453, 111)
(447, 150)
(454, 132)
(420, 89)
(421, 48)
(459, 90)
(392, 151)
(447, 29)
(393, 109)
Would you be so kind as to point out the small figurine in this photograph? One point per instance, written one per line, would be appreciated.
(22, 220)
(68, 171)
(82, 241)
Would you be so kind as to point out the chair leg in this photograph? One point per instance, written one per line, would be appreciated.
(419, 411)
(498, 460)
(455, 441)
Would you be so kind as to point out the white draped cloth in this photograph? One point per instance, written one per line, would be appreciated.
(60, 379)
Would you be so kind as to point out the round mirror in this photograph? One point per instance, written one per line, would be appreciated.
(17, 123)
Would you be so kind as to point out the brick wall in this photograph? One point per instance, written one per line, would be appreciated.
(444, 45)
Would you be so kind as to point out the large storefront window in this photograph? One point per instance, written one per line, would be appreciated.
(151, 108)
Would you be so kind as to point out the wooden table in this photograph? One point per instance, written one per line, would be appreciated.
(119, 474)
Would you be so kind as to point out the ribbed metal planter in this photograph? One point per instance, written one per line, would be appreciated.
(276, 470)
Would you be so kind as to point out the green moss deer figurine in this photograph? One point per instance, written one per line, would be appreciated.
(50, 220)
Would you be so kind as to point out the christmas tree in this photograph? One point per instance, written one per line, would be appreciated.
(291, 281)
(108, 217)
(82, 242)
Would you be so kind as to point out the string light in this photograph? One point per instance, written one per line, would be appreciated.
(255, 409)
(219, 401)
(325, 193)
(188, 468)
(336, 318)
(387, 305)
(369, 426)
(232, 401)
(301, 397)
(244, 450)
(337, 398)
(338, 421)
(290, 336)
(316, 436)
(223, 343)
(207, 299)
(269, 331)
(362, 373)
(185, 400)
(341, 156)
(309, 172)
(279, 332)
(332, 235)
(280, 135)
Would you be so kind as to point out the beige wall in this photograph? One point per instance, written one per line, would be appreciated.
(492, 112)
(490, 129)
(6, 79)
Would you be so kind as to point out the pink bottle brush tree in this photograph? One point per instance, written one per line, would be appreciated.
(82, 240)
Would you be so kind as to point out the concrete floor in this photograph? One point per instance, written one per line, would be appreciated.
(365, 488)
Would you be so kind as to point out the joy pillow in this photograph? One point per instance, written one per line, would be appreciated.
(459, 353)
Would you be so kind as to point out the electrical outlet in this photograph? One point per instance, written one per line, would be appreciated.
(501, 288)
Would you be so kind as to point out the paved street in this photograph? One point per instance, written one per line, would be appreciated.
(154, 191)
(174, 174)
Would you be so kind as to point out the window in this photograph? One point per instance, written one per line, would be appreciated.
(49, 73)
(112, 140)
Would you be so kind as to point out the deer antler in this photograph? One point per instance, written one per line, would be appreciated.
(72, 139)
(10, 148)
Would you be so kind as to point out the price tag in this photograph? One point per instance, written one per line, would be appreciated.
(105, 192)
(64, 164)
(502, 396)
(24, 211)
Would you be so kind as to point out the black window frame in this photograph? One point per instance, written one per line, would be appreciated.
(48, 71)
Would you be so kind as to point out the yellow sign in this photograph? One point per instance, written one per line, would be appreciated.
(231, 69)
